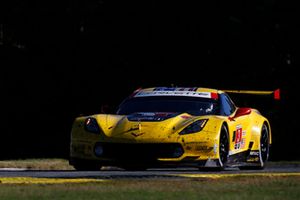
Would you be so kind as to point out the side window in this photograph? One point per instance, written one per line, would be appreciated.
(227, 106)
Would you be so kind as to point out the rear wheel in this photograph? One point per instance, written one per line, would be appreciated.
(264, 148)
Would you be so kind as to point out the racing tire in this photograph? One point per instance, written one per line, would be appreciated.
(223, 146)
(264, 145)
(223, 151)
(264, 149)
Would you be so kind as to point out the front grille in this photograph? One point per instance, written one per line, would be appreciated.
(147, 151)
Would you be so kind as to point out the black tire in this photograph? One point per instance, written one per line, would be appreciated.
(264, 146)
(223, 146)
(223, 151)
(263, 150)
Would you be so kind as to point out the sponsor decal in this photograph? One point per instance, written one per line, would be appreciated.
(253, 159)
(253, 156)
(175, 89)
(254, 153)
(164, 89)
(239, 140)
(173, 93)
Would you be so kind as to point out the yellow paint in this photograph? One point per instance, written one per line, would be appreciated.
(216, 176)
(119, 129)
(250, 92)
(30, 180)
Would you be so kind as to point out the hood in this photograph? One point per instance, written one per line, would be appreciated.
(151, 116)
(146, 125)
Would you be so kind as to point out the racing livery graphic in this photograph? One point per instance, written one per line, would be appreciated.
(172, 126)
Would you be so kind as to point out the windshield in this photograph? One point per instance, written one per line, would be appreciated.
(191, 105)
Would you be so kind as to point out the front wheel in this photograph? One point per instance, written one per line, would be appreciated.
(223, 152)
(223, 146)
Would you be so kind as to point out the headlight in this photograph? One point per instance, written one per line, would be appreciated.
(194, 127)
(91, 125)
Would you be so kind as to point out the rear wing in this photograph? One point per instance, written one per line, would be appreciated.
(275, 93)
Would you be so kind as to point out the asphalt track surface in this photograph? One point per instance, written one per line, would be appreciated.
(64, 176)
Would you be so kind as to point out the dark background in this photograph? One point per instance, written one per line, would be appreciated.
(62, 59)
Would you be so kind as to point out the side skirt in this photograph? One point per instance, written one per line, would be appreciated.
(245, 158)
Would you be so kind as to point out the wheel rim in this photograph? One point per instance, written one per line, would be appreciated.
(264, 143)
(223, 145)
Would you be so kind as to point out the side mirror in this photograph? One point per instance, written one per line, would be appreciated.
(241, 112)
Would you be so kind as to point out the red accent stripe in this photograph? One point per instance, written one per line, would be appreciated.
(214, 95)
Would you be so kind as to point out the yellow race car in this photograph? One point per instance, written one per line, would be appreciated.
(172, 126)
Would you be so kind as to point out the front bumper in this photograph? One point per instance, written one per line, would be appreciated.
(146, 154)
